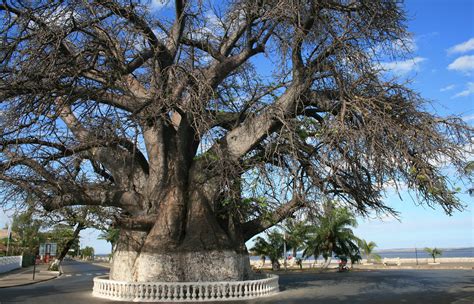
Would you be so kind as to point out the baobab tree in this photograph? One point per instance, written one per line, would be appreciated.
(207, 123)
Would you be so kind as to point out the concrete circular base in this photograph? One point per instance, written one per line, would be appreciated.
(185, 291)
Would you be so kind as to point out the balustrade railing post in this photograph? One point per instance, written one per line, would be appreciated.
(181, 294)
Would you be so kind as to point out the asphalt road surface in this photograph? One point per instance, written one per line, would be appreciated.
(378, 286)
(74, 286)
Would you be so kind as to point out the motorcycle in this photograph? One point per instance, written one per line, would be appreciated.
(343, 265)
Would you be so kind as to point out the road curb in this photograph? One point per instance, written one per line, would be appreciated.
(33, 282)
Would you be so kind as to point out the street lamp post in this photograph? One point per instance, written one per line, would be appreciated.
(34, 266)
(9, 235)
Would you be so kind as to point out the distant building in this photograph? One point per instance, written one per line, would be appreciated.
(3, 233)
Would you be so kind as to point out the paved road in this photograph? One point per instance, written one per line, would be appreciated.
(74, 286)
(381, 286)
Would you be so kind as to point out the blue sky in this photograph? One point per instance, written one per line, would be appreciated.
(441, 69)
(444, 39)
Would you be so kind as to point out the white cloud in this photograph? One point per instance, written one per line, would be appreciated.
(400, 46)
(462, 64)
(405, 45)
(464, 47)
(160, 34)
(447, 88)
(468, 118)
(156, 5)
(212, 19)
(403, 67)
(61, 17)
(468, 91)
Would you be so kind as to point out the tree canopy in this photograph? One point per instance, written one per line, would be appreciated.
(184, 121)
(29, 231)
(434, 252)
(368, 249)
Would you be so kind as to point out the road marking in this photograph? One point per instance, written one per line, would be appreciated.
(86, 274)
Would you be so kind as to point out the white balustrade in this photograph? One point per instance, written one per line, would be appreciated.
(185, 291)
(9, 263)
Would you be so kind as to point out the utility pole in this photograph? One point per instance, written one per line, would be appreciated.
(284, 248)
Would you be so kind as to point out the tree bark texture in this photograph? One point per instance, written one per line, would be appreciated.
(185, 243)
(183, 240)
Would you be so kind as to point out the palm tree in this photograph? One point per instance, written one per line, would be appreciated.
(296, 234)
(368, 250)
(355, 257)
(333, 235)
(434, 252)
(273, 248)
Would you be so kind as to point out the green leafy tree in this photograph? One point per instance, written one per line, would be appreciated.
(29, 231)
(368, 250)
(434, 252)
(332, 234)
(273, 247)
(26, 235)
(67, 238)
(87, 252)
(67, 223)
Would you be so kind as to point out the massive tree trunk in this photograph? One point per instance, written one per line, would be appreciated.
(142, 265)
(184, 241)
(201, 251)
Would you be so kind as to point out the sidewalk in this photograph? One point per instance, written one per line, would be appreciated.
(24, 276)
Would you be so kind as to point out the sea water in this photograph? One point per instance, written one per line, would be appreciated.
(406, 253)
